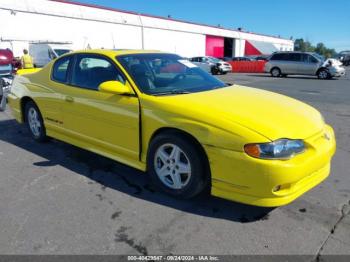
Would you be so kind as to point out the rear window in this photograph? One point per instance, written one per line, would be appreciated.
(60, 69)
(295, 57)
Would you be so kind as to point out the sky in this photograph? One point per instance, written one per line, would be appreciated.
(326, 21)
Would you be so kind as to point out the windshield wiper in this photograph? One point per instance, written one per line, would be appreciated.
(172, 92)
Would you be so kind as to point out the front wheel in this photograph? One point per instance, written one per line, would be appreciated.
(214, 71)
(35, 122)
(323, 74)
(176, 166)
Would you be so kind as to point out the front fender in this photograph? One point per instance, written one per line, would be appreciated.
(232, 137)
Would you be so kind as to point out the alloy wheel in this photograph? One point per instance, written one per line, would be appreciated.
(323, 74)
(34, 122)
(172, 166)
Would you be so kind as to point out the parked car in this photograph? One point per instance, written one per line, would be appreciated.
(344, 57)
(262, 58)
(212, 65)
(43, 53)
(6, 59)
(6, 70)
(300, 63)
(346, 60)
(187, 129)
(241, 58)
(226, 58)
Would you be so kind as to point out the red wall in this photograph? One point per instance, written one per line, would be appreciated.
(214, 46)
(248, 66)
(250, 49)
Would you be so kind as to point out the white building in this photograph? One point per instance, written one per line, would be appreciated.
(88, 26)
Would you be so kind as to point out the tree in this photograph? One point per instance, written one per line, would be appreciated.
(306, 46)
(303, 46)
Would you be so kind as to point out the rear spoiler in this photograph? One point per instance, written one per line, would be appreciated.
(27, 71)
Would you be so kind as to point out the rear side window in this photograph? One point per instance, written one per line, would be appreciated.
(277, 57)
(90, 71)
(295, 57)
(60, 69)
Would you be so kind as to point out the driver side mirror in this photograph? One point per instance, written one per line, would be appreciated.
(115, 87)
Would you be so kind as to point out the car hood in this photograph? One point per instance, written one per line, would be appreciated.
(270, 114)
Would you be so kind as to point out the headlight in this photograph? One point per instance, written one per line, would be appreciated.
(279, 149)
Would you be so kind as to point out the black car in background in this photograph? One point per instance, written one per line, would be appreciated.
(344, 57)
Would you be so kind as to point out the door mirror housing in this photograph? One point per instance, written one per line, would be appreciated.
(115, 87)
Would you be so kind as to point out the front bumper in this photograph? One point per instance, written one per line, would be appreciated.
(338, 72)
(224, 68)
(270, 183)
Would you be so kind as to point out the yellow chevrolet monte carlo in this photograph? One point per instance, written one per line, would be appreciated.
(162, 114)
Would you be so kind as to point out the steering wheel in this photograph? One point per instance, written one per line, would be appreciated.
(178, 78)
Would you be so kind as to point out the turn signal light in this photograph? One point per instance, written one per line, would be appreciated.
(252, 150)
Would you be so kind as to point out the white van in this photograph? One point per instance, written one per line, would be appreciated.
(43, 53)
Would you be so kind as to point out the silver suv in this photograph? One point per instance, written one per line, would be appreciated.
(212, 65)
(300, 63)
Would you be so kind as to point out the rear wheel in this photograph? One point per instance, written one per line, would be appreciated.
(34, 122)
(176, 166)
(323, 74)
(275, 72)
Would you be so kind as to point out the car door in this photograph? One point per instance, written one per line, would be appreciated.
(103, 121)
(295, 65)
(281, 61)
(310, 64)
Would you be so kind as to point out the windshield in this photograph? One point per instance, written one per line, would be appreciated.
(162, 74)
(60, 52)
(320, 57)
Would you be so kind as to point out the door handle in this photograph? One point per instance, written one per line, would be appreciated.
(69, 99)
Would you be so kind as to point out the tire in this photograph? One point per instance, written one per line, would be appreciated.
(164, 168)
(214, 71)
(323, 74)
(34, 122)
(275, 72)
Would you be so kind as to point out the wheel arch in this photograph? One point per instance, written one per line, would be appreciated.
(189, 137)
(321, 68)
(23, 102)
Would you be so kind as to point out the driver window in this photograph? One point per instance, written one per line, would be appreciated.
(90, 71)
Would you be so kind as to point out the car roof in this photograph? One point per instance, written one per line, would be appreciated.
(293, 52)
(115, 52)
